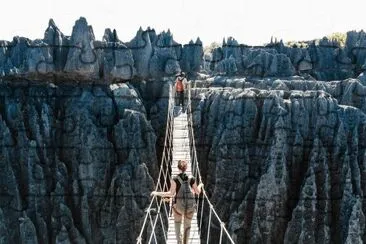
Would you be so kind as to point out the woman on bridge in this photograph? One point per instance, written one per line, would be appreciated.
(184, 201)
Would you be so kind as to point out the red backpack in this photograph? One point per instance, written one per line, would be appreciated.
(179, 85)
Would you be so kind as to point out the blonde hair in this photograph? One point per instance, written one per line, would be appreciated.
(182, 165)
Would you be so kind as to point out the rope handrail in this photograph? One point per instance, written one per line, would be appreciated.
(164, 163)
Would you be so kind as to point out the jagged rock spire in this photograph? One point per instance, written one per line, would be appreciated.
(110, 36)
(82, 59)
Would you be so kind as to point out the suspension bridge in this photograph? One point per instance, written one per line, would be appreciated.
(158, 225)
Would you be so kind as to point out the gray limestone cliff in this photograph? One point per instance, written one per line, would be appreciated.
(322, 59)
(147, 55)
(77, 162)
(285, 164)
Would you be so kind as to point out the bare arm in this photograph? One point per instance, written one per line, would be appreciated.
(169, 193)
(186, 83)
(197, 189)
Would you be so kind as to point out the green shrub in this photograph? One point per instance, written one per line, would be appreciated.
(209, 49)
(338, 37)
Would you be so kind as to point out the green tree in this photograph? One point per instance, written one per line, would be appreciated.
(338, 37)
(209, 49)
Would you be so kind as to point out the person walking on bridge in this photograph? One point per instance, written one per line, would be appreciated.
(182, 188)
(180, 84)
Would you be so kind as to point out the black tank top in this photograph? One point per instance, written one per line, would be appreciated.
(184, 177)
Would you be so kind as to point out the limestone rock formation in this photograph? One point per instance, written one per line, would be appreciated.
(115, 58)
(323, 59)
(167, 54)
(25, 57)
(298, 55)
(58, 44)
(287, 165)
(77, 163)
(117, 62)
(81, 57)
(233, 59)
(191, 59)
(330, 61)
(142, 50)
(356, 49)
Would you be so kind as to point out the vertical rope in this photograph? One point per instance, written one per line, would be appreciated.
(221, 230)
(203, 203)
(209, 225)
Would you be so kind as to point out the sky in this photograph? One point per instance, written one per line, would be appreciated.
(251, 22)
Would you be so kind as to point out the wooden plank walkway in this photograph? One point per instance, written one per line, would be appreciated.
(181, 152)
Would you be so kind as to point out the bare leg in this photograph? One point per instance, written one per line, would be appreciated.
(187, 226)
(178, 224)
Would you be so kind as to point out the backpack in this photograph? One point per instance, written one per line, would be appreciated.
(179, 85)
(185, 200)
